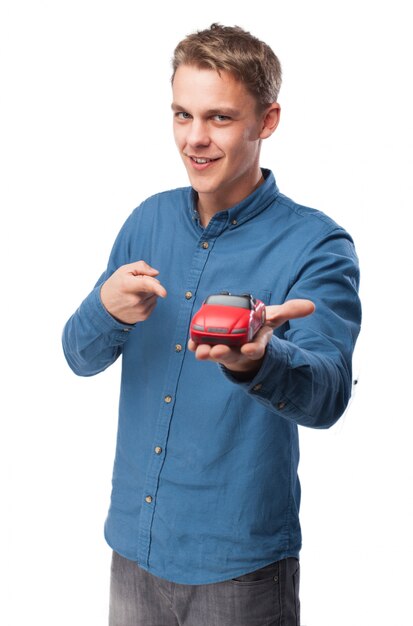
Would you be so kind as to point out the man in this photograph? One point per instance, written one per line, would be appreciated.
(204, 519)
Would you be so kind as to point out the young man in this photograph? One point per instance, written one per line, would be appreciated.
(204, 511)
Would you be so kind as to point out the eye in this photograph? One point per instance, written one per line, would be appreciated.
(182, 115)
(222, 118)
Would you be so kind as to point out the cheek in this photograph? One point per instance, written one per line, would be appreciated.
(245, 150)
(178, 135)
(242, 143)
(252, 134)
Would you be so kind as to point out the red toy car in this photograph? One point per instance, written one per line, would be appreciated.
(228, 319)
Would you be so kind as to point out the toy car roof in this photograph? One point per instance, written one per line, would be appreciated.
(243, 301)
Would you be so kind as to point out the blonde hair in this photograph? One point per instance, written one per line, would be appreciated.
(232, 49)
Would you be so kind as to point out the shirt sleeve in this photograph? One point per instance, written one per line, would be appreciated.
(93, 339)
(306, 375)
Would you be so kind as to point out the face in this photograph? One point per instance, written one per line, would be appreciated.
(218, 133)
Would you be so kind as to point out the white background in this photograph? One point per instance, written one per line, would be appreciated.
(85, 136)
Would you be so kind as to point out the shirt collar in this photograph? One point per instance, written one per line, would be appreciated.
(253, 204)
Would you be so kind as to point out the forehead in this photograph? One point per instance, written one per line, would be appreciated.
(209, 89)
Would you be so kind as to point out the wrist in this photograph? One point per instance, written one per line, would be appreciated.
(247, 374)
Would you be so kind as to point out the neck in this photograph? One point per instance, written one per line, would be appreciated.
(209, 204)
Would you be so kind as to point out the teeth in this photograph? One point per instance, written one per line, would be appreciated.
(201, 161)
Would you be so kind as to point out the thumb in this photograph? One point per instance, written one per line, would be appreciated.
(278, 314)
(141, 268)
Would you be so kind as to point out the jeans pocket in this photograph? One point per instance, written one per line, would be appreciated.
(268, 573)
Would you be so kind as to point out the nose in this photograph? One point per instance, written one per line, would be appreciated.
(198, 134)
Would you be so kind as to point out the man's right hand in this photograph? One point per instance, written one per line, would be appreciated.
(130, 294)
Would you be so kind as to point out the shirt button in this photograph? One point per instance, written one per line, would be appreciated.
(205, 245)
(148, 499)
(281, 406)
(178, 347)
(168, 399)
(257, 387)
(234, 222)
(158, 450)
(188, 295)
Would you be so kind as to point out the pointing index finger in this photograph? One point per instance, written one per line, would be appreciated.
(147, 284)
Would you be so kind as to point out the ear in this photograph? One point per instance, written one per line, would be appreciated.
(270, 120)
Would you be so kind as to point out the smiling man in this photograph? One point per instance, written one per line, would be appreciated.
(204, 516)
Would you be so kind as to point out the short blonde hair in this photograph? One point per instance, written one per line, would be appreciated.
(232, 49)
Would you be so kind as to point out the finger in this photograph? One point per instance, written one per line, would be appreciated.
(146, 299)
(147, 285)
(203, 352)
(147, 306)
(276, 315)
(230, 356)
(217, 352)
(224, 354)
(141, 267)
(192, 346)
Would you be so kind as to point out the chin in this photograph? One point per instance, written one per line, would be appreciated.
(204, 189)
(201, 186)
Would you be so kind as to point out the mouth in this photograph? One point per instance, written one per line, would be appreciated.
(201, 163)
(201, 160)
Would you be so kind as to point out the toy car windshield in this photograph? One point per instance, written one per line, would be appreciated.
(242, 302)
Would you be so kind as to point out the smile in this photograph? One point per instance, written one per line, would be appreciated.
(201, 160)
(201, 164)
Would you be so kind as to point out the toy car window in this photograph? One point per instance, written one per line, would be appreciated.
(242, 302)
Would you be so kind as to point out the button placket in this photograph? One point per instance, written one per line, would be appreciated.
(158, 455)
(152, 479)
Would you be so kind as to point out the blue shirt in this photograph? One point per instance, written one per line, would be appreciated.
(205, 484)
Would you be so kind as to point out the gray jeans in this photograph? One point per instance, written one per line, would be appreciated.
(267, 597)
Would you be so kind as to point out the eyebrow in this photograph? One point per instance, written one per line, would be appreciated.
(210, 112)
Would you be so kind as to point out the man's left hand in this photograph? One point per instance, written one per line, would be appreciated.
(248, 358)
